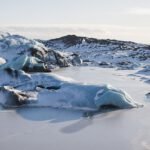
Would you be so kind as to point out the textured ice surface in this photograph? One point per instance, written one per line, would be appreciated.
(56, 91)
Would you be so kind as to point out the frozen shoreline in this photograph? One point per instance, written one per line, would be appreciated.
(45, 128)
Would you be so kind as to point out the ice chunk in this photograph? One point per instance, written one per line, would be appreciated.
(27, 63)
(17, 63)
(114, 97)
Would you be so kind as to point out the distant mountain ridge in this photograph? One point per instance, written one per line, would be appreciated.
(73, 41)
(103, 52)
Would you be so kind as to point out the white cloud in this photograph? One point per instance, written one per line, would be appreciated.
(139, 11)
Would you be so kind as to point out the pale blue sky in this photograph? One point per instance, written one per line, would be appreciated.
(126, 15)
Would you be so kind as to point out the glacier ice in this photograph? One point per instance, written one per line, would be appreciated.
(33, 55)
(51, 90)
(114, 97)
(27, 63)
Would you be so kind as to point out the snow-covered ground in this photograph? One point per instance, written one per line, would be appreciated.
(103, 52)
(48, 128)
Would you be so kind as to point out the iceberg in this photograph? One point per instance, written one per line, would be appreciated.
(27, 63)
(32, 56)
(51, 90)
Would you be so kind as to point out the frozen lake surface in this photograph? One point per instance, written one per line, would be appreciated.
(47, 128)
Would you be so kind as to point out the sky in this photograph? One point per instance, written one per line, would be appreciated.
(118, 19)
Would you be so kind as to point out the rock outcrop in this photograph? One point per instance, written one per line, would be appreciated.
(10, 97)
